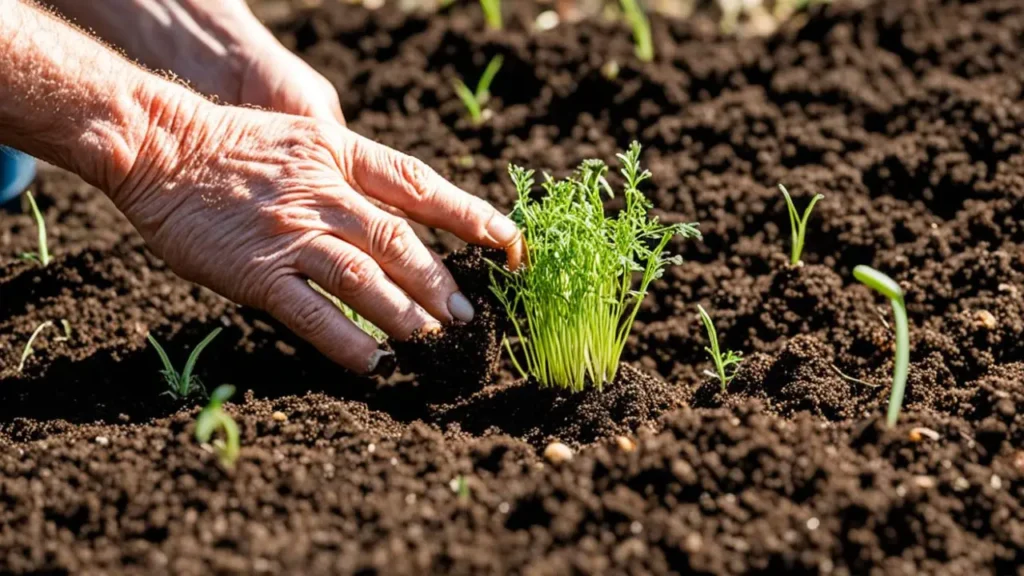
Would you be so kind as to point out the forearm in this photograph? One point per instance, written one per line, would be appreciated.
(207, 42)
(69, 100)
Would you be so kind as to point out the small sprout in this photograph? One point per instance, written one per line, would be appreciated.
(460, 485)
(43, 255)
(573, 306)
(797, 225)
(184, 384)
(492, 13)
(362, 323)
(890, 289)
(725, 365)
(919, 433)
(641, 29)
(474, 101)
(213, 417)
(67, 331)
(27, 351)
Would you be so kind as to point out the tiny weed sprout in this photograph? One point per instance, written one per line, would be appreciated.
(182, 385)
(573, 306)
(363, 324)
(641, 29)
(27, 351)
(212, 418)
(798, 225)
(725, 365)
(492, 13)
(474, 101)
(43, 255)
(890, 289)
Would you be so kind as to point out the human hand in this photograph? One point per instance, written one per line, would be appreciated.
(252, 203)
(275, 79)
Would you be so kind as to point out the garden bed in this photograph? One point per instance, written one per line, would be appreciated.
(905, 114)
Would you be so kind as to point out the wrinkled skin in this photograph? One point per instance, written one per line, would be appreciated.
(251, 203)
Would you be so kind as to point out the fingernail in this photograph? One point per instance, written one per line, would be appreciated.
(382, 363)
(460, 307)
(502, 230)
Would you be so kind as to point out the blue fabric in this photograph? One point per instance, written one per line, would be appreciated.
(17, 171)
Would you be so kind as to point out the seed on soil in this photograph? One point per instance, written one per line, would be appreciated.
(813, 523)
(986, 319)
(279, 416)
(919, 433)
(625, 444)
(996, 482)
(102, 440)
(557, 453)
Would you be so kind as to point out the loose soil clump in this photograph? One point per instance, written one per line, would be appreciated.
(905, 114)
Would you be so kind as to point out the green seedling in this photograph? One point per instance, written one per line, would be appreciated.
(363, 324)
(27, 351)
(573, 305)
(460, 485)
(212, 418)
(184, 384)
(641, 29)
(492, 13)
(474, 101)
(725, 364)
(797, 225)
(43, 255)
(890, 289)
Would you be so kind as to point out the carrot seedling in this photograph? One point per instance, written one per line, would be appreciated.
(474, 101)
(43, 255)
(184, 384)
(725, 364)
(573, 306)
(362, 323)
(492, 13)
(641, 29)
(212, 418)
(798, 225)
(888, 287)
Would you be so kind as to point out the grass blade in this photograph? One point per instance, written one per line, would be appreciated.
(43, 256)
(186, 374)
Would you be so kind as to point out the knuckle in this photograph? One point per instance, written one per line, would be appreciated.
(353, 276)
(417, 178)
(393, 241)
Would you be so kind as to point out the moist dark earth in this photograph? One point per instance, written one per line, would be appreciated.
(905, 114)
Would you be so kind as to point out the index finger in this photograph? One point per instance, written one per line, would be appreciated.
(413, 187)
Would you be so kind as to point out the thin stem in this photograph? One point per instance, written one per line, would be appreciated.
(890, 289)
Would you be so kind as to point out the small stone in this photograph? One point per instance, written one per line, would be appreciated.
(813, 523)
(996, 482)
(636, 527)
(693, 543)
(546, 20)
(625, 444)
(557, 453)
(920, 433)
(925, 482)
(961, 484)
(102, 440)
(371, 448)
(279, 416)
(504, 507)
(410, 499)
(986, 319)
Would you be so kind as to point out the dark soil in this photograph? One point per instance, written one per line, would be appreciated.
(905, 114)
